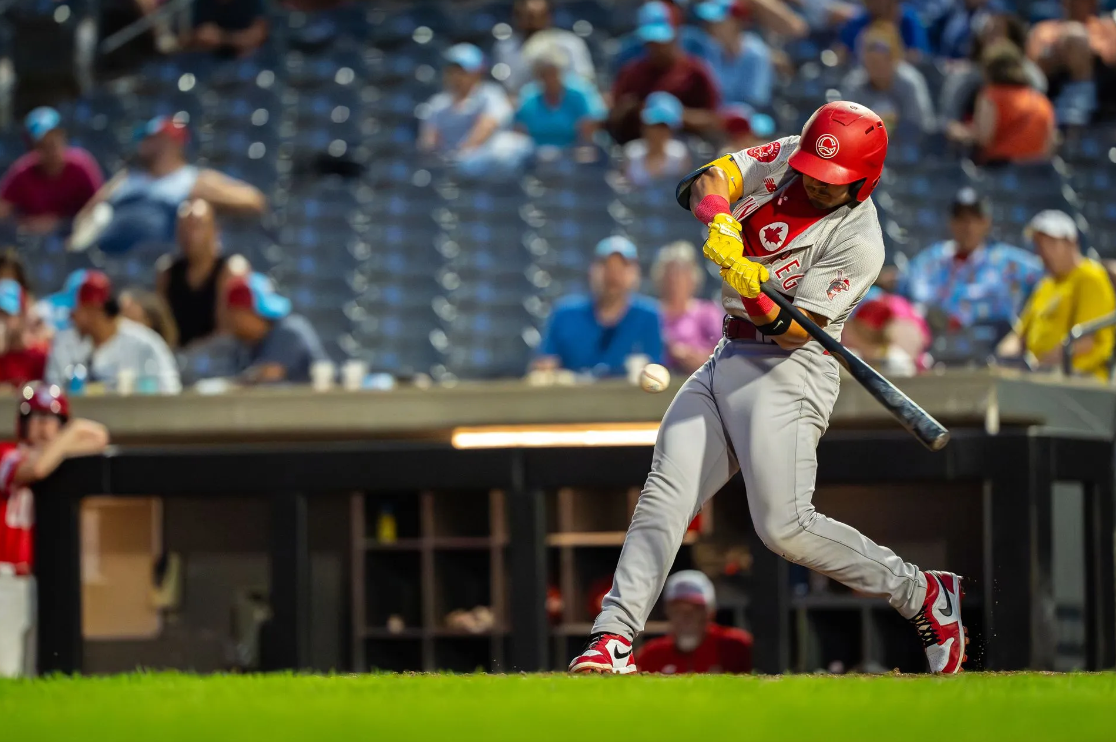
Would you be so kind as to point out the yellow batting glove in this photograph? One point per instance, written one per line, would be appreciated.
(746, 277)
(724, 246)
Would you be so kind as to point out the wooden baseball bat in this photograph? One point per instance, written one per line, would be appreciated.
(916, 420)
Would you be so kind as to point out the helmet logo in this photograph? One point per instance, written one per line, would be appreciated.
(827, 146)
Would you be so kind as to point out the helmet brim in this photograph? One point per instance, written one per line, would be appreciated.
(827, 171)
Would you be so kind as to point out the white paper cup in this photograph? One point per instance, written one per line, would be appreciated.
(125, 381)
(321, 375)
(353, 373)
(634, 364)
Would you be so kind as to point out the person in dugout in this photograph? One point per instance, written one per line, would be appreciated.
(46, 437)
(695, 643)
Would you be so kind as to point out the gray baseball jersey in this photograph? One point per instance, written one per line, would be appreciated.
(830, 265)
(758, 409)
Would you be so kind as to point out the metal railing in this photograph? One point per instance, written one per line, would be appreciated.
(144, 24)
(1085, 329)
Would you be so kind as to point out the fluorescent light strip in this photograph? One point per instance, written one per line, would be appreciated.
(556, 436)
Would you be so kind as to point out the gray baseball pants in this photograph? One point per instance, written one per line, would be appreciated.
(759, 409)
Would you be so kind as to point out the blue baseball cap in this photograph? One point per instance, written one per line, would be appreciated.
(712, 11)
(11, 297)
(662, 108)
(656, 33)
(652, 13)
(616, 245)
(56, 307)
(41, 122)
(465, 56)
(256, 292)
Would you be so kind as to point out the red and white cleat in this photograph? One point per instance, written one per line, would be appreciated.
(939, 625)
(603, 653)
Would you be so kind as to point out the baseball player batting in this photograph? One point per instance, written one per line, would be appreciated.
(796, 212)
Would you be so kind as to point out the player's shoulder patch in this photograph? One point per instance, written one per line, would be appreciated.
(837, 285)
(765, 152)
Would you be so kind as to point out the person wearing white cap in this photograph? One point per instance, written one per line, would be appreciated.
(1076, 289)
(596, 334)
(534, 33)
(695, 643)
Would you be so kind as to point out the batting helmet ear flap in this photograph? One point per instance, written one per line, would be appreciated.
(854, 190)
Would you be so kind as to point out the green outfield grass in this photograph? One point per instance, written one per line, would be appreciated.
(165, 707)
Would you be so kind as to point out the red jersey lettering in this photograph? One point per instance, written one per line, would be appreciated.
(17, 517)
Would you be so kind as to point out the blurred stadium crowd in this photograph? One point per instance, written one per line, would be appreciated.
(474, 189)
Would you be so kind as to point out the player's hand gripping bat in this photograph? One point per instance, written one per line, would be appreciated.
(916, 420)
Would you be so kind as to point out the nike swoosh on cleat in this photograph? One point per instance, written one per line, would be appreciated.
(948, 612)
(619, 656)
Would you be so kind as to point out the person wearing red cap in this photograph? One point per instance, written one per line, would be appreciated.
(796, 214)
(696, 644)
(46, 436)
(888, 332)
(280, 346)
(141, 205)
(110, 344)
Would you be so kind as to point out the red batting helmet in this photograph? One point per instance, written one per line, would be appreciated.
(42, 399)
(843, 143)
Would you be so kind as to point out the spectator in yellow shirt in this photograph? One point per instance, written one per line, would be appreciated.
(1076, 289)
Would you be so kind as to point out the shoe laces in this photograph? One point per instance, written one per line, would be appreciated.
(925, 628)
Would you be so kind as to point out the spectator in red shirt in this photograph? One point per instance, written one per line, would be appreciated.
(51, 183)
(695, 644)
(667, 68)
(19, 362)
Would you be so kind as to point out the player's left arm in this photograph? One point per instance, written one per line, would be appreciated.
(832, 286)
(77, 438)
(794, 336)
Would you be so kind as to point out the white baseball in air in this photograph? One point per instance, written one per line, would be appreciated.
(654, 378)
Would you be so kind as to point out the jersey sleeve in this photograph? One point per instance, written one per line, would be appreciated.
(9, 464)
(736, 652)
(843, 274)
(765, 161)
(653, 656)
(1095, 299)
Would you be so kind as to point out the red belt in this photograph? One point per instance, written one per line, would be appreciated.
(737, 328)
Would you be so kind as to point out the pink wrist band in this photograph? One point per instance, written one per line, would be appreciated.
(760, 306)
(710, 206)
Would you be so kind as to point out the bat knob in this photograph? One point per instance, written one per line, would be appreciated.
(939, 441)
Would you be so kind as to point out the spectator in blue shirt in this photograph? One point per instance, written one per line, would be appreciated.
(278, 346)
(913, 33)
(468, 122)
(739, 59)
(968, 280)
(595, 334)
(959, 24)
(558, 108)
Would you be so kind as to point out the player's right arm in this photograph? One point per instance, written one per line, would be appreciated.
(78, 437)
(709, 192)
